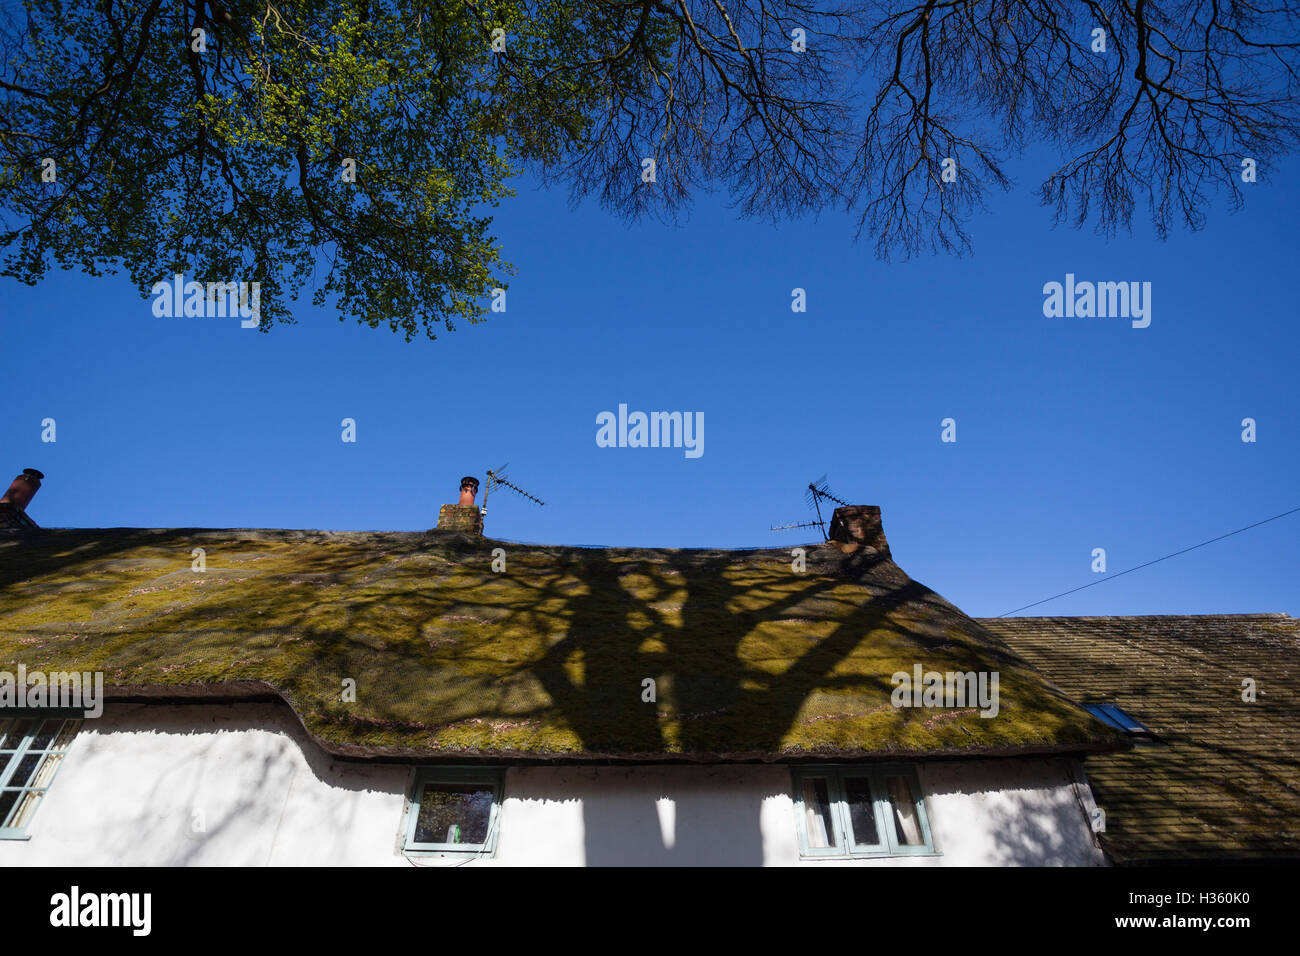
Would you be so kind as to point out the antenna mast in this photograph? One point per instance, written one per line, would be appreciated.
(817, 490)
(497, 476)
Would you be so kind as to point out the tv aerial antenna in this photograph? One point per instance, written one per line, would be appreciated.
(497, 476)
(816, 491)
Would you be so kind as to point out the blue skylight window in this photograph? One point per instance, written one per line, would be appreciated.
(1118, 718)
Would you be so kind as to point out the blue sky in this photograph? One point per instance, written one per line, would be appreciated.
(1072, 434)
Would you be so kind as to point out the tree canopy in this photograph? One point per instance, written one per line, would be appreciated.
(357, 147)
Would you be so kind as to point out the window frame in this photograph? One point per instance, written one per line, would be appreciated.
(475, 776)
(24, 748)
(842, 846)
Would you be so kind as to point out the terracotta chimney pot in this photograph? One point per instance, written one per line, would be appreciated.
(23, 489)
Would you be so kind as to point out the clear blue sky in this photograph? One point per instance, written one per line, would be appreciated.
(1072, 434)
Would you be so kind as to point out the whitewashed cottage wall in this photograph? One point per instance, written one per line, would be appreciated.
(139, 780)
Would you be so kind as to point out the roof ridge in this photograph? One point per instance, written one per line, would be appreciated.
(1271, 615)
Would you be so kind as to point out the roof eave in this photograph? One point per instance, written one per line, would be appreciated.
(255, 691)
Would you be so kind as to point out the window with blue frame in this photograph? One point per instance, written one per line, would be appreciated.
(32, 746)
(860, 812)
(453, 811)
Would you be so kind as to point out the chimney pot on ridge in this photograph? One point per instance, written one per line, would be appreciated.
(23, 489)
(468, 489)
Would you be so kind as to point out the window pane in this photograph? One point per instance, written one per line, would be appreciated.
(453, 813)
(1123, 720)
(817, 812)
(1102, 714)
(24, 771)
(26, 807)
(45, 736)
(862, 811)
(69, 731)
(46, 773)
(907, 826)
(15, 732)
(7, 799)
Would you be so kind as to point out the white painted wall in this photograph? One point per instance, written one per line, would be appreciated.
(136, 780)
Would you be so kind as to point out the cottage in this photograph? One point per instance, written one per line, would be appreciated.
(390, 698)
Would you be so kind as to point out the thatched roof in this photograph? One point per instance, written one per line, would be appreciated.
(544, 660)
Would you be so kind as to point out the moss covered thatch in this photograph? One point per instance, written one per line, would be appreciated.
(544, 659)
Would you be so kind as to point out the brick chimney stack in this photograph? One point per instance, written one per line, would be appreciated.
(858, 526)
(463, 516)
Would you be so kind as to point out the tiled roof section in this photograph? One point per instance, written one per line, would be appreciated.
(1222, 781)
(544, 657)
